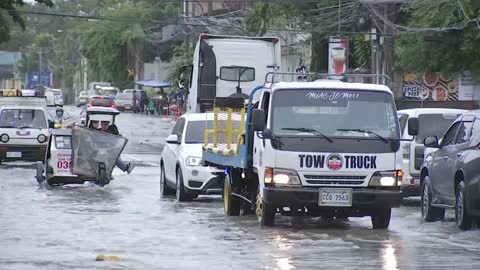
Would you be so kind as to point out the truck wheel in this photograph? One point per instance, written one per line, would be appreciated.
(429, 212)
(164, 189)
(182, 196)
(464, 220)
(265, 212)
(231, 203)
(381, 218)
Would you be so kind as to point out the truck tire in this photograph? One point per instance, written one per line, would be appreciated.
(181, 194)
(231, 203)
(429, 213)
(462, 217)
(264, 211)
(164, 189)
(381, 218)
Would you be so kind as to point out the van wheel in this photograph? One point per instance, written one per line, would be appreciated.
(265, 212)
(464, 220)
(231, 203)
(381, 218)
(164, 189)
(181, 195)
(430, 213)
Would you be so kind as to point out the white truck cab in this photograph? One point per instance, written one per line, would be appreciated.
(323, 148)
(228, 65)
(432, 122)
(24, 128)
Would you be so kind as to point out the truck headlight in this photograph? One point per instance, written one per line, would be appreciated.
(41, 138)
(193, 161)
(281, 177)
(4, 138)
(387, 179)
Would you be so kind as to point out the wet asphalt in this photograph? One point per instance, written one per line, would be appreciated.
(67, 227)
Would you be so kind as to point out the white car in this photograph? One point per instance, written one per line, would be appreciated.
(182, 170)
(432, 122)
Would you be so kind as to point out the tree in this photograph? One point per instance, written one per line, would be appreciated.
(441, 37)
(10, 6)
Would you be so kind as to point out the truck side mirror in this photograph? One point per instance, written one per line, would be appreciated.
(413, 126)
(258, 119)
(181, 84)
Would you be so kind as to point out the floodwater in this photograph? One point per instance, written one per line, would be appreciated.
(67, 227)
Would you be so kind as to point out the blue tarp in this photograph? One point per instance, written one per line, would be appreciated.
(153, 83)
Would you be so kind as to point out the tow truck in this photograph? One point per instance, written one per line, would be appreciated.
(324, 146)
(23, 125)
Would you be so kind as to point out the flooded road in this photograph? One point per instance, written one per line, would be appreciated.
(68, 227)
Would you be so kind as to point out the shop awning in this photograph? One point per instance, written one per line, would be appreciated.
(153, 83)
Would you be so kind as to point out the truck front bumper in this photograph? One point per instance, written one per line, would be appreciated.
(308, 197)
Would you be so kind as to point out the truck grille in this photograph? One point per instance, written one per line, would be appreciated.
(353, 180)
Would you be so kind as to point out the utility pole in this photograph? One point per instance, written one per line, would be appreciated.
(39, 65)
(210, 7)
(388, 49)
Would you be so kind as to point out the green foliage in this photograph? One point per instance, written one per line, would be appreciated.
(11, 6)
(182, 56)
(361, 52)
(105, 43)
(450, 51)
(267, 13)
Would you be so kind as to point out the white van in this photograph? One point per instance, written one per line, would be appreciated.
(228, 65)
(23, 126)
(432, 122)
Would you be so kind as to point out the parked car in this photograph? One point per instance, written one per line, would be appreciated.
(57, 96)
(450, 177)
(82, 99)
(101, 101)
(182, 169)
(432, 122)
(124, 101)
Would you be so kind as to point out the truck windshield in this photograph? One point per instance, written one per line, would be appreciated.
(434, 125)
(22, 118)
(334, 113)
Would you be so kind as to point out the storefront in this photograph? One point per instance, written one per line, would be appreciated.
(433, 89)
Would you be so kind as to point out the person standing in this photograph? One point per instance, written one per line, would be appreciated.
(134, 101)
(142, 101)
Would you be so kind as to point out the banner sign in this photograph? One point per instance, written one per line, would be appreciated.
(337, 55)
(38, 78)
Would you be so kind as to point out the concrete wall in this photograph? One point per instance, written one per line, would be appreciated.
(156, 71)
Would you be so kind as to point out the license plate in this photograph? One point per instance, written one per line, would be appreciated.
(14, 154)
(128, 107)
(335, 197)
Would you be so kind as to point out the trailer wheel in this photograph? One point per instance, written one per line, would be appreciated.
(231, 203)
(265, 212)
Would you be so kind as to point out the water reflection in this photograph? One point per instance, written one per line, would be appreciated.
(284, 264)
(389, 258)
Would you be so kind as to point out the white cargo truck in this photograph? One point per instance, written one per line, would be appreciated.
(324, 148)
(228, 65)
